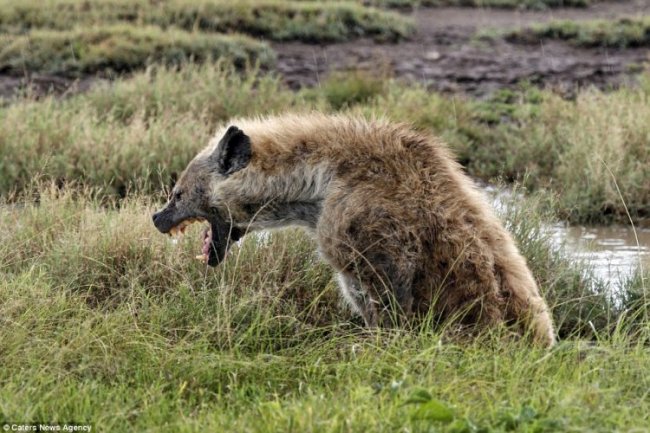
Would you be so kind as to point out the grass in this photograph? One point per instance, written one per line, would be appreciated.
(105, 321)
(505, 4)
(134, 134)
(574, 148)
(347, 89)
(581, 149)
(630, 32)
(273, 19)
(122, 48)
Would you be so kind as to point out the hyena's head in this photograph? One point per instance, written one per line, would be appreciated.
(192, 198)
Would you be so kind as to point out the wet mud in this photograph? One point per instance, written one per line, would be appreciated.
(447, 55)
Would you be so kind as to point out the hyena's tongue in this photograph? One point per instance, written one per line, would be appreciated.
(207, 241)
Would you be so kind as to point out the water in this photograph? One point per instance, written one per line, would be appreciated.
(611, 251)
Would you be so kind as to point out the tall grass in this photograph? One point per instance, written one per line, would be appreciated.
(102, 249)
(137, 131)
(133, 134)
(570, 147)
(584, 148)
(505, 4)
(108, 322)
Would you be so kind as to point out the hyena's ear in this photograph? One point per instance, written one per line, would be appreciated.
(233, 151)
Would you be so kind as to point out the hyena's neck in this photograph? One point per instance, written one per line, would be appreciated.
(283, 198)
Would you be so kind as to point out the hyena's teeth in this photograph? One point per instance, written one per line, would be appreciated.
(182, 226)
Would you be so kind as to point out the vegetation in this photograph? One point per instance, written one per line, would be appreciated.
(347, 89)
(590, 150)
(133, 134)
(620, 33)
(273, 19)
(122, 48)
(106, 321)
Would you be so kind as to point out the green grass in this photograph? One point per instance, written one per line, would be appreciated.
(620, 33)
(133, 134)
(273, 19)
(105, 321)
(347, 89)
(122, 48)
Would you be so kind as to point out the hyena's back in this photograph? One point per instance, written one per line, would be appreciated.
(404, 225)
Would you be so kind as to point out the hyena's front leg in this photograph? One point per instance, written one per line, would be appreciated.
(377, 303)
(358, 299)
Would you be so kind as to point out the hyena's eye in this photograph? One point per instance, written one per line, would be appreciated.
(178, 195)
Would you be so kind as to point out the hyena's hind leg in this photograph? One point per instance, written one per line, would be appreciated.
(526, 306)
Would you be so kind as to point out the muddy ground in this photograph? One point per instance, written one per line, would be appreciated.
(446, 54)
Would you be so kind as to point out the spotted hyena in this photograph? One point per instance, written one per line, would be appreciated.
(392, 212)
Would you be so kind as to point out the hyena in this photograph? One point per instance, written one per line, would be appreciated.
(406, 231)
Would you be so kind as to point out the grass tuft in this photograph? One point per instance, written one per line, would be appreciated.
(504, 4)
(273, 19)
(346, 89)
(632, 32)
(122, 48)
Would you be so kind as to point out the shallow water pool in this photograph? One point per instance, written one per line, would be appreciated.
(613, 252)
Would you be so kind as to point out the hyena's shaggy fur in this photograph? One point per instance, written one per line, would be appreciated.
(392, 212)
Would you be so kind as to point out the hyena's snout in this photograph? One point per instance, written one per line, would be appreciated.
(163, 220)
(156, 220)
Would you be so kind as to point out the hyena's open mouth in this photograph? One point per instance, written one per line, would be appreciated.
(215, 239)
(206, 237)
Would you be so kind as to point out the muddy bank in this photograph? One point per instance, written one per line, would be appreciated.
(446, 54)
(37, 84)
